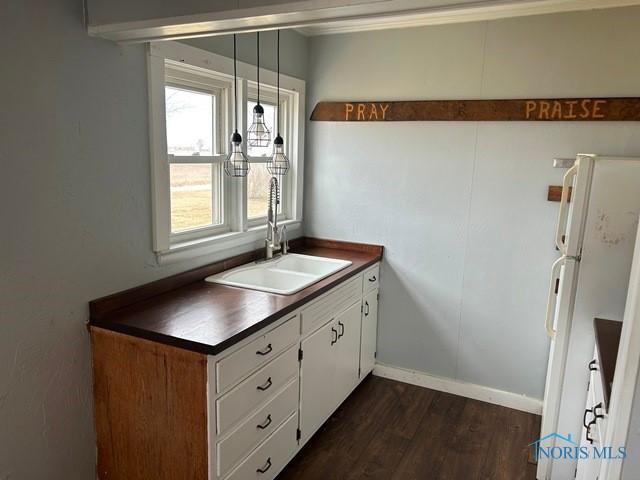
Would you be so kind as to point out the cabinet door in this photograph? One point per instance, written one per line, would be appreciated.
(369, 332)
(318, 378)
(589, 468)
(348, 351)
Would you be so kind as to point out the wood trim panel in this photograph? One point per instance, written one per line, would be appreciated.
(532, 110)
(554, 194)
(150, 409)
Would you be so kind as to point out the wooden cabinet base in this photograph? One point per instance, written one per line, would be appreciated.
(150, 409)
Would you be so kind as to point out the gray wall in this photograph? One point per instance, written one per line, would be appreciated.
(461, 207)
(294, 50)
(75, 225)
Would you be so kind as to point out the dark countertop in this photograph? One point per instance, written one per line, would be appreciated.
(187, 312)
(607, 342)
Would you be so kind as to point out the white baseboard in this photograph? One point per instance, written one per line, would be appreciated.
(463, 389)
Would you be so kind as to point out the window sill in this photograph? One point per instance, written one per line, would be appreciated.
(220, 243)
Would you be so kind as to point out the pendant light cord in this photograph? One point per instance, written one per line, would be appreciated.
(235, 85)
(278, 82)
(258, 49)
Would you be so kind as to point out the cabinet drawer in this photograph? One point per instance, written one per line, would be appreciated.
(326, 307)
(269, 458)
(231, 369)
(371, 278)
(258, 427)
(255, 390)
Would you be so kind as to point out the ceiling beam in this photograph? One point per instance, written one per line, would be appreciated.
(322, 17)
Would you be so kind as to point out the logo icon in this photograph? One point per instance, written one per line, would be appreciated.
(562, 447)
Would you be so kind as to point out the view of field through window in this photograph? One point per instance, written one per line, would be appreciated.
(259, 177)
(196, 192)
(190, 125)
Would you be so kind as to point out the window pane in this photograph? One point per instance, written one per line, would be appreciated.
(192, 186)
(270, 121)
(258, 190)
(189, 122)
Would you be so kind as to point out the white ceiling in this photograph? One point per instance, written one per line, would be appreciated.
(461, 12)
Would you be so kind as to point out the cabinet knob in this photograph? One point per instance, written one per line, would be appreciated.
(372, 279)
(341, 334)
(366, 309)
(592, 366)
(334, 338)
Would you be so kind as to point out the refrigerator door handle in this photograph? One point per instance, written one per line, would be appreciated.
(553, 297)
(563, 216)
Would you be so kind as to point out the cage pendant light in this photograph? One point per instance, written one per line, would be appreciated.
(258, 134)
(236, 164)
(279, 164)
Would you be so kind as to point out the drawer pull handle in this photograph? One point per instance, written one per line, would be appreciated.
(373, 279)
(588, 431)
(266, 467)
(266, 385)
(266, 351)
(584, 417)
(341, 334)
(265, 424)
(366, 309)
(597, 415)
(334, 338)
(592, 366)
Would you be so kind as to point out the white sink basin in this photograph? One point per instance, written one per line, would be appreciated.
(284, 275)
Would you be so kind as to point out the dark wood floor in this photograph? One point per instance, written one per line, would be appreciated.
(389, 430)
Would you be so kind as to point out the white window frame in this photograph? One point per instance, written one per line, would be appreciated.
(236, 230)
(184, 76)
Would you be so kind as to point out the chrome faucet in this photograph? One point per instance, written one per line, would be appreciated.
(274, 241)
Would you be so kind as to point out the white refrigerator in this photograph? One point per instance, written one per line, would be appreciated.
(595, 239)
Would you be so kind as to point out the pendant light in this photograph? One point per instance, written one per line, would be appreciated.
(279, 164)
(258, 134)
(236, 163)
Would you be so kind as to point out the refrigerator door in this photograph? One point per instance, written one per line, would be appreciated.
(571, 219)
(572, 207)
(564, 274)
(605, 265)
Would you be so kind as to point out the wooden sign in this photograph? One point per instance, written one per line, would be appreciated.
(554, 193)
(559, 109)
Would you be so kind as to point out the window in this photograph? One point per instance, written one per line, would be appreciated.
(259, 177)
(197, 209)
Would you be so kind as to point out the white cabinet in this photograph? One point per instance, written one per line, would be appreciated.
(594, 421)
(369, 332)
(317, 378)
(272, 392)
(347, 352)
(329, 368)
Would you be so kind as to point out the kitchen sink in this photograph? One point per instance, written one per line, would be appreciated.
(284, 275)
